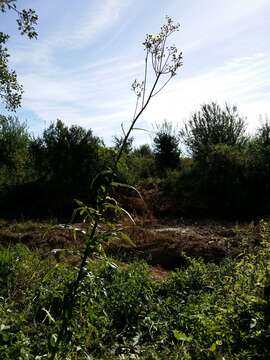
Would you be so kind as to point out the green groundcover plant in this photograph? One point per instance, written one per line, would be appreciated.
(202, 311)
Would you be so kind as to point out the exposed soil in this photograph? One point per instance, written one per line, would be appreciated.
(41, 237)
(169, 246)
(162, 246)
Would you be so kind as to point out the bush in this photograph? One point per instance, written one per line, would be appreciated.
(230, 182)
(166, 147)
(63, 163)
(213, 125)
(66, 155)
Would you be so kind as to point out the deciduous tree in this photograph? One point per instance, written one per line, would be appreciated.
(10, 89)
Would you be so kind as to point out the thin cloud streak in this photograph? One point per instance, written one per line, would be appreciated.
(81, 68)
(84, 30)
(242, 81)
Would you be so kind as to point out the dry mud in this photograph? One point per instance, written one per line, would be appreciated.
(160, 245)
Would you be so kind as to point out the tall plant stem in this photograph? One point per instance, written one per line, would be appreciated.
(70, 297)
(135, 119)
(156, 50)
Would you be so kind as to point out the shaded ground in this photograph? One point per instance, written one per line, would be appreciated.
(38, 236)
(169, 246)
(161, 246)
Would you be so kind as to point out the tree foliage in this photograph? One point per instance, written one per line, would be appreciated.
(166, 147)
(118, 141)
(263, 133)
(144, 150)
(213, 125)
(14, 146)
(10, 90)
(66, 154)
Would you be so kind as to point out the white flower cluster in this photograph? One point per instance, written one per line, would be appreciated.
(165, 59)
(137, 87)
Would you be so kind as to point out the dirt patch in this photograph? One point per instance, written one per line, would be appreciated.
(163, 246)
(168, 246)
(158, 273)
(43, 238)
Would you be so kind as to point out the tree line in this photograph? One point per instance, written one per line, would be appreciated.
(221, 171)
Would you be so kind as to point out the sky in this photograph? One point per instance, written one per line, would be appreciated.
(88, 52)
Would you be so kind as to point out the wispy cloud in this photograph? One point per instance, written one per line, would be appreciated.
(84, 30)
(215, 22)
(244, 81)
(77, 32)
(73, 71)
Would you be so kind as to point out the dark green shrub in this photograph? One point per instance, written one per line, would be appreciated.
(213, 125)
(68, 155)
(166, 147)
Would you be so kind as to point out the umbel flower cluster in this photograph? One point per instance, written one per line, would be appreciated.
(163, 58)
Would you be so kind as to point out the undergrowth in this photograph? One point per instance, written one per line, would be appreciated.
(202, 311)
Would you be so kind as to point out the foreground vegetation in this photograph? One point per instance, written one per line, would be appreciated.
(200, 311)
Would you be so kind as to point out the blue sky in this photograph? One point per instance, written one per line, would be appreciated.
(88, 53)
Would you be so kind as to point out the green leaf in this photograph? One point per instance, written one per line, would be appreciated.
(104, 172)
(4, 327)
(112, 200)
(213, 347)
(117, 184)
(181, 336)
(126, 238)
(79, 202)
(128, 214)
(53, 340)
